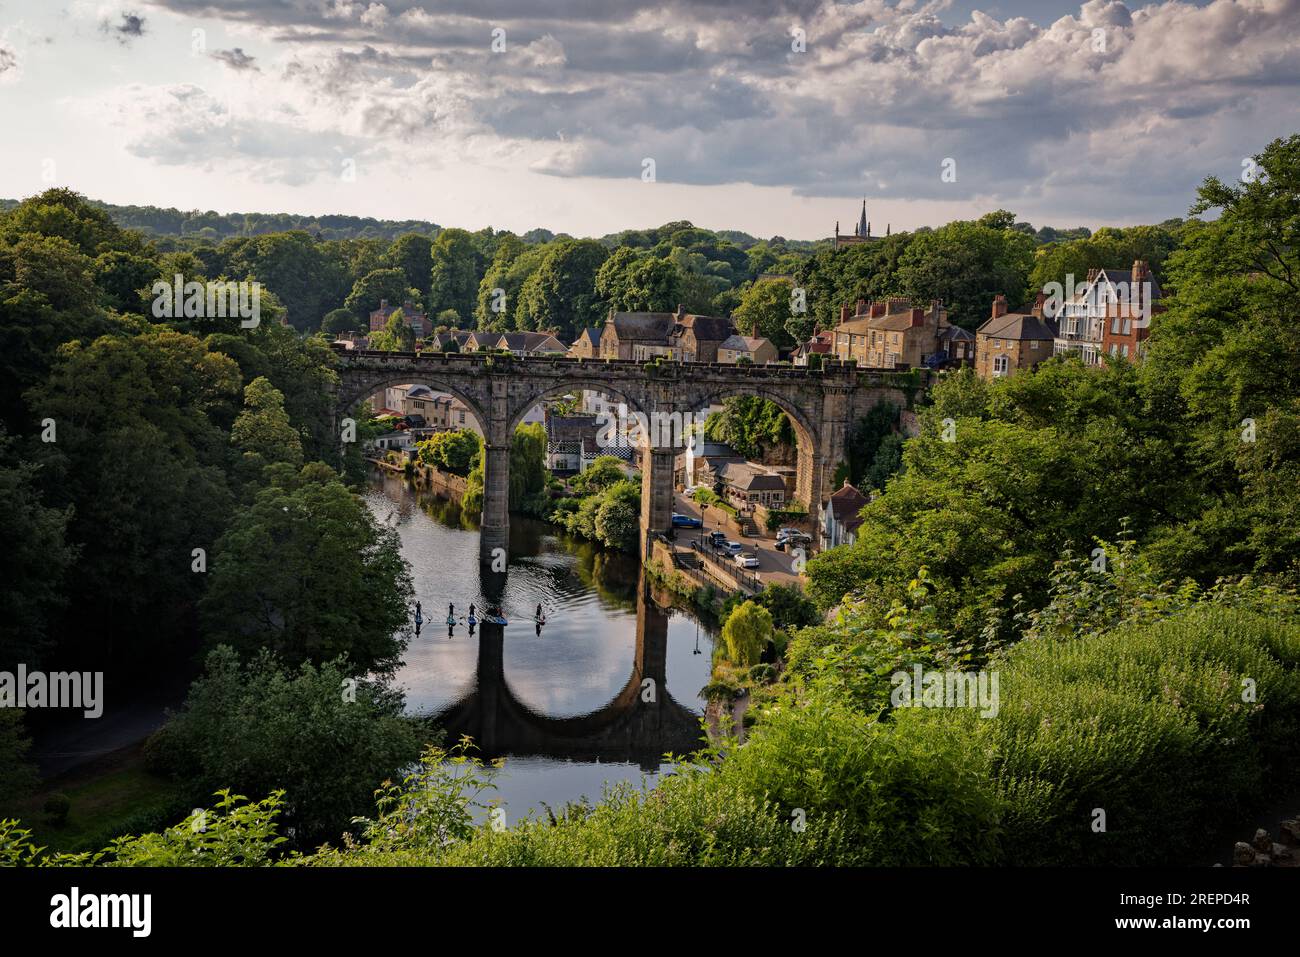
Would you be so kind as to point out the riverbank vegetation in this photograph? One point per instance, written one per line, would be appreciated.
(606, 506)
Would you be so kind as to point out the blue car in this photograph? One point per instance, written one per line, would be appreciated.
(686, 521)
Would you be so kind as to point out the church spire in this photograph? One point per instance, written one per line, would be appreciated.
(862, 222)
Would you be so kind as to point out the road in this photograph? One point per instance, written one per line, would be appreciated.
(773, 566)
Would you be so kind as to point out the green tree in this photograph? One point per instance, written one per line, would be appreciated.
(341, 320)
(455, 273)
(764, 310)
(617, 520)
(322, 734)
(527, 466)
(306, 571)
(412, 253)
(746, 633)
(966, 264)
(561, 293)
(375, 287)
(454, 452)
(33, 563)
(262, 433)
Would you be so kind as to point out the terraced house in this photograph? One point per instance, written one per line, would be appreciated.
(885, 335)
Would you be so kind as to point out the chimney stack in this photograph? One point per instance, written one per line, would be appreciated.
(844, 313)
(861, 303)
(681, 310)
(877, 310)
(918, 316)
(999, 305)
(1039, 301)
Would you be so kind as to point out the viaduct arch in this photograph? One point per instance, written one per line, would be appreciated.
(499, 389)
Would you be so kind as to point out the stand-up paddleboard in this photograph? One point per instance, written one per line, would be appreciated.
(495, 619)
(472, 620)
(451, 619)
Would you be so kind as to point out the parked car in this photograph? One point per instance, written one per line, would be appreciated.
(686, 521)
(717, 539)
(747, 561)
(732, 548)
(786, 532)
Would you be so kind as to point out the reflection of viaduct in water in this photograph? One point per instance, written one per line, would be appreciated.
(628, 728)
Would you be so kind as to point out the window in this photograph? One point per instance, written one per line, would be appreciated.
(1125, 352)
(1033, 343)
(1114, 326)
(1128, 326)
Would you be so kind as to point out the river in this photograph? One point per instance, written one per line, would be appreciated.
(594, 697)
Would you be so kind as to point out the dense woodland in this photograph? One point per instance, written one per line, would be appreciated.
(1122, 678)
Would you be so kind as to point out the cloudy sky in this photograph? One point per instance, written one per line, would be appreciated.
(771, 116)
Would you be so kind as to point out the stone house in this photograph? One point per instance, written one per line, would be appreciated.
(1009, 341)
(738, 347)
(885, 335)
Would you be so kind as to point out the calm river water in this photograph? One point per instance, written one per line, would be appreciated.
(608, 685)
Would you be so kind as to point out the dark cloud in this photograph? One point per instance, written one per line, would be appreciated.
(236, 59)
(129, 26)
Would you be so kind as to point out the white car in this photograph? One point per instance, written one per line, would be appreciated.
(732, 548)
(747, 561)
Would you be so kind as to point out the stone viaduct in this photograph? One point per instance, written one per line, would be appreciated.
(499, 389)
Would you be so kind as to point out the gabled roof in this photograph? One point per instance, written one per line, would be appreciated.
(845, 504)
(706, 328)
(643, 325)
(747, 478)
(591, 334)
(740, 343)
(1017, 325)
(956, 333)
(570, 428)
(530, 341)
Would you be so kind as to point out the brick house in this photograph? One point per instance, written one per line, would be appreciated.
(1128, 324)
(416, 319)
(683, 336)
(1104, 302)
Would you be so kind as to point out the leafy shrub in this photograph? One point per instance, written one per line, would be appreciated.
(57, 808)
